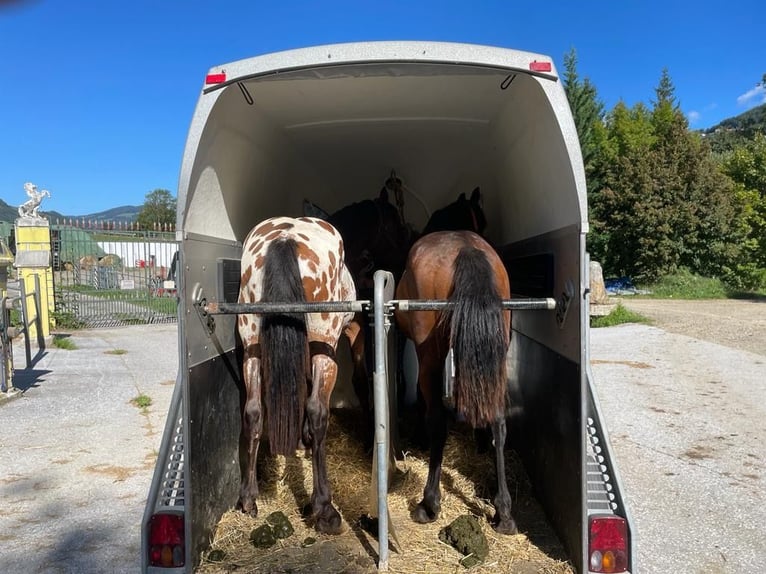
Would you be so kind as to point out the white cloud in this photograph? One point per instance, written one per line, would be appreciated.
(693, 117)
(753, 97)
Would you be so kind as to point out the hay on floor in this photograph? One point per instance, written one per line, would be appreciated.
(468, 481)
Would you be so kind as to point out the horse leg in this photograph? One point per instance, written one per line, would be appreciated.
(325, 371)
(355, 332)
(252, 429)
(429, 377)
(502, 522)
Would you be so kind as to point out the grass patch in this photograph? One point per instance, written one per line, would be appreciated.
(142, 401)
(115, 352)
(64, 342)
(618, 316)
(686, 285)
(67, 320)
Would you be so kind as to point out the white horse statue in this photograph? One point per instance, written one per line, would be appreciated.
(31, 207)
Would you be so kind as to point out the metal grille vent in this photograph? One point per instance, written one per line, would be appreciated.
(600, 495)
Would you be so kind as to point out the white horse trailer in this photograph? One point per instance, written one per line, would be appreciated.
(328, 123)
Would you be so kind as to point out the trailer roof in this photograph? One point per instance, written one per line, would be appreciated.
(328, 122)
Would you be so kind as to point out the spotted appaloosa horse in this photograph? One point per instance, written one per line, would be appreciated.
(464, 268)
(289, 359)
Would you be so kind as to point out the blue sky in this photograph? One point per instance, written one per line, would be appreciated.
(96, 96)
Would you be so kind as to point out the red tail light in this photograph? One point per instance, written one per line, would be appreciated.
(215, 78)
(166, 540)
(540, 66)
(608, 544)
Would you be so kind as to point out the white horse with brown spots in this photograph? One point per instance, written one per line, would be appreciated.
(289, 357)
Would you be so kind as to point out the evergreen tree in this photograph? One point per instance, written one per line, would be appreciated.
(663, 204)
(587, 110)
(588, 115)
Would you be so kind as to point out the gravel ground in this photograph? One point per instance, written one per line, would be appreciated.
(684, 401)
(733, 323)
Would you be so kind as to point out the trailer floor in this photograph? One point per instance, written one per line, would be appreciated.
(467, 486)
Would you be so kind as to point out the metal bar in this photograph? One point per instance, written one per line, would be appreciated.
(380, 396)
(547, 303)
(214, 308)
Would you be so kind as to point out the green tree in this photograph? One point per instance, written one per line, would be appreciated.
(587, 111)
(663, 203)
(746, 166)
(159, 209)
(588, 115)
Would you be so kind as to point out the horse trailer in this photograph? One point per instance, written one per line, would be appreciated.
(328, 124)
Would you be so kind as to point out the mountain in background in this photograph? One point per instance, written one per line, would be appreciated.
(125, 213)
(733, 132)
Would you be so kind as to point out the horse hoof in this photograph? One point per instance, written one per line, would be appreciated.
(250, 508)
(329, 521)
(506, 527)
(423, 515)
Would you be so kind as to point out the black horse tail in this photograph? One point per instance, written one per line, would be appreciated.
(284, 348)
(478, 339)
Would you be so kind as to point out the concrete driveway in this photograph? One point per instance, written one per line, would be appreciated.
(77, 456)
(687, 420)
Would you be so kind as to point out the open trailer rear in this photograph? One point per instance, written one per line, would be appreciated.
(328, 124)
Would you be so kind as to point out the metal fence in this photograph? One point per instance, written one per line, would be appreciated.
(106, 276)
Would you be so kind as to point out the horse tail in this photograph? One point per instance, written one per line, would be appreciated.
(478, 339)
(284, 348)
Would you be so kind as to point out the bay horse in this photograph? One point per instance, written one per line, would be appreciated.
(462, 267)
(289, 363)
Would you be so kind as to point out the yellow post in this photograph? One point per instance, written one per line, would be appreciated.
(33, 257)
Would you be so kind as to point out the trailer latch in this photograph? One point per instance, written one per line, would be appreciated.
(563, 302)
(200, 304)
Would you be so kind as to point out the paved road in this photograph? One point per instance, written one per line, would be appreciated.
(687, 420)
(77, 457)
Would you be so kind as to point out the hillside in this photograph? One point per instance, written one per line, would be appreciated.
(734, 131)
(122, 213)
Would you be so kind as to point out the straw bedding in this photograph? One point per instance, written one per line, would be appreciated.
(467, 484)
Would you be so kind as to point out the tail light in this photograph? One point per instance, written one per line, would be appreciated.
(166, 540)
(608, 543)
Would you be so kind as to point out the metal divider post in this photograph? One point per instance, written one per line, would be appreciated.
(384, 291)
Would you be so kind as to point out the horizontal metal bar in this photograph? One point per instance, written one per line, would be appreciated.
(438, 305)
(214, 308)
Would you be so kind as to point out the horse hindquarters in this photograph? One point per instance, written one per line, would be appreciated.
(274, 366)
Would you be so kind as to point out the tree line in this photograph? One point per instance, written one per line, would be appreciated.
(659, 198)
